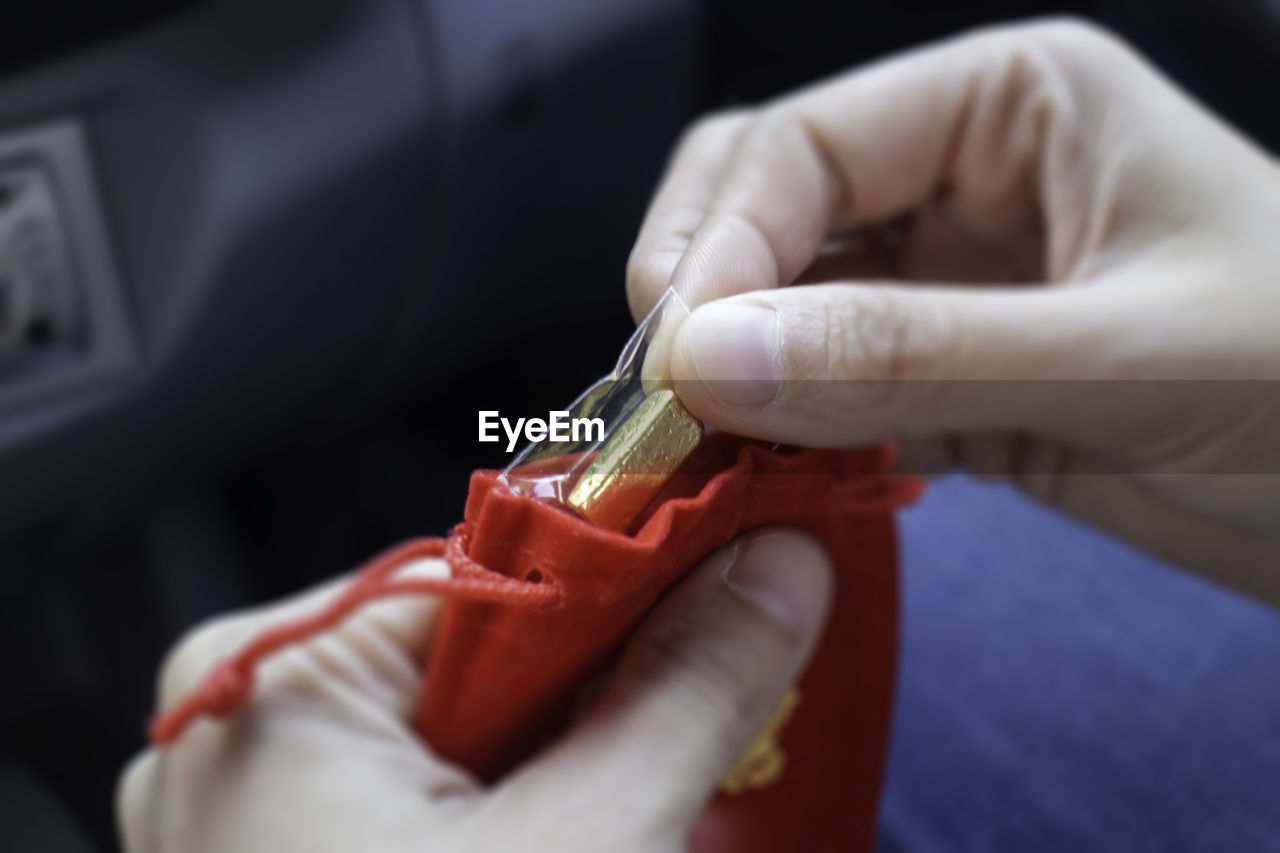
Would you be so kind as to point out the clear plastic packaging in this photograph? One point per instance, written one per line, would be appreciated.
(623, 437)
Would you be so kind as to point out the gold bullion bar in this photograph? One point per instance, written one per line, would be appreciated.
(636, 461)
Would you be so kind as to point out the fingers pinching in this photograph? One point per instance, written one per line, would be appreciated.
(841, 364)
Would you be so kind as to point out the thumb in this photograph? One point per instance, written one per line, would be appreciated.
(840, 364)
(694, 687)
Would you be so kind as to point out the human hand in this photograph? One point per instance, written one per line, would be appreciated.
(1023, 251)
(325, 757)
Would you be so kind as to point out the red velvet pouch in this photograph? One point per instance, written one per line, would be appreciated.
(541, 602)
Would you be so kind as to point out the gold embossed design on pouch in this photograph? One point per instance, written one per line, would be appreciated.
(636, 461)
(762, 763)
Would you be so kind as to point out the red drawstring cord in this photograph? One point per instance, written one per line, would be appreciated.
(227, 687)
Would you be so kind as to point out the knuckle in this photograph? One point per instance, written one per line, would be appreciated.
(873, 341)
(1072, 28)
(709, 129)
(877, 345)
(780, 133)
(1078, 41)
(861, 352)
(770, 122)
(1069, 42)
(193, 654)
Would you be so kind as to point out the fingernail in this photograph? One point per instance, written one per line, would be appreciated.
(785, 576)
(735, 351)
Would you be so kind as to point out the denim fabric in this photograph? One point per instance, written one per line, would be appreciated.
(1060, 691)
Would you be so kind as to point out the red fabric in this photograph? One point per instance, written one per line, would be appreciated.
(542, 602)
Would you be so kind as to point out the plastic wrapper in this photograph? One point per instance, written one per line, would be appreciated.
(621, 440)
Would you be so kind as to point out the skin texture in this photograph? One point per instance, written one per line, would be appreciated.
(1030, 203)
(325, 757)
(1021, 251)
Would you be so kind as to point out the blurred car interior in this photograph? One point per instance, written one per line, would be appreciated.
(261, 263)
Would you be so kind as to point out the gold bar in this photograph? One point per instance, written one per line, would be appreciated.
(636, 461)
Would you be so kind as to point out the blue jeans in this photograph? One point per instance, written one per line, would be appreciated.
(1060, 691)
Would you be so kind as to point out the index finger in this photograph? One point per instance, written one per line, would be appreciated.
(678, 208)
(971, 118)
